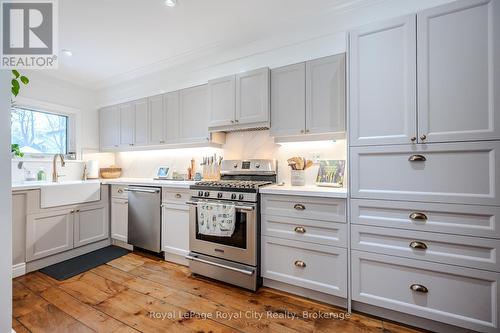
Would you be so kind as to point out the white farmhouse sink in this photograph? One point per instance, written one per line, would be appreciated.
(69, 193)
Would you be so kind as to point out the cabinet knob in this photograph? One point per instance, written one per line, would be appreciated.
(413, 138)
(423, 137)
(418, 245)
(307, 131)
(417, 158)
(120, 191)
(237, 121)
(418, 216)
(72, 212)
(162, 141)
(299, 207)
(178, 196)
(301, 131)
(300, 230)
(232, 121)
(78, 211)
(299, 263)
(419, 288)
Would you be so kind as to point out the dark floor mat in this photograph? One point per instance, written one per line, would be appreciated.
(69, 268)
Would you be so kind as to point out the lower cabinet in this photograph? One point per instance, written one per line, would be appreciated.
(90, 224)
(119, 219)
(449, 294)
(175, 230)
(49, 233)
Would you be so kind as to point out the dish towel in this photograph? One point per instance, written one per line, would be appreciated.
(216, 219)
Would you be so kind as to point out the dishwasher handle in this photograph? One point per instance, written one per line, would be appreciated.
(142, 190)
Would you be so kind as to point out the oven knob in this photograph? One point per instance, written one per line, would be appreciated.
(207, 194)
(257, 165)
(200, 193)
(233, 196)
(241, 197)
(235, 165)
(219, 195)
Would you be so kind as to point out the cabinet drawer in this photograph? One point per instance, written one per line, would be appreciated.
(175, 195)
(313, 231)
(468, 220)
(324, 267)
(326, 209)
(447, 172)
(118, 191)
(455, 295)
(465, 251)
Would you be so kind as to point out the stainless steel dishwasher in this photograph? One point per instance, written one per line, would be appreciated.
(144, 217)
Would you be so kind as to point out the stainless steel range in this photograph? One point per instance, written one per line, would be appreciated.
(233, 257)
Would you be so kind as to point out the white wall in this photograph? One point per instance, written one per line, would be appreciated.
(5, 207)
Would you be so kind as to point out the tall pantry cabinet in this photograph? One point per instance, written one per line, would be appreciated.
(424, 141)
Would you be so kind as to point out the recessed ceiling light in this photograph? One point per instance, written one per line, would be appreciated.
(171, 3)
(67, 52)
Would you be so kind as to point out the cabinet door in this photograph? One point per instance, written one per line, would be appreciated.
(193, 114)
(252, 96)
(119, 219)
(48, 233)
(156, 120)
(459, 71)
(127, 113)
(325, 95)
(382, 83)
(91, 224)
(109, 127)
(171, 116)
(175, 229)
(141, 122)
(288, 100)
(222, 101)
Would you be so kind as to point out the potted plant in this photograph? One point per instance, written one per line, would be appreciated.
(16, 82)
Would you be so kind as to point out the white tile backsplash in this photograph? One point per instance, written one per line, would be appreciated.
(72, 171)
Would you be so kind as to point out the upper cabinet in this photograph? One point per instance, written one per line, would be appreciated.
(446, 60)
(458, 61)
(141, 122)
(239, 101)
(309, 98)
(127, 126)
(382, 83)
(109, 128)
(156, 120)
(193, 115)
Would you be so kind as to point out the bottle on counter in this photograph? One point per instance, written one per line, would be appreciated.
(41, 175)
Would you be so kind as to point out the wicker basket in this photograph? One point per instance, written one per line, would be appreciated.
(111, 172)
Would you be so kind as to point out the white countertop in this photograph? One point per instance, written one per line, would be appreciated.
(308, 190)
(36, 185)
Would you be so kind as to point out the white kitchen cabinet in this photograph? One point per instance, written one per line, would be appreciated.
(288, 100)
(252, 97)
(49, 233)
(109, 127)
(171, 117)
(175, 230)
(156, 120)
(91, 224)
(119, 219)
(325, 95)
(141, 122)
(222, 101)
(127, 117)
(193, 115)
(458, 61)
(464, 173)
(449, 294)
(383, 83)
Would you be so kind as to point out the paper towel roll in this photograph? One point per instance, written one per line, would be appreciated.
(93, 169)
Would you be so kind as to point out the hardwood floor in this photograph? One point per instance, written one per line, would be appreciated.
(140, 294)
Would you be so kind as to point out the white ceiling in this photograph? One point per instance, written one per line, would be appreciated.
(111, 39)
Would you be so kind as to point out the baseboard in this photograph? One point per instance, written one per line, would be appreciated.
(18, 270)
(178, 257)
(122, 244)
(304, 292)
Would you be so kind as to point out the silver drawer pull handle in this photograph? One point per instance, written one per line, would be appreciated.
(417, 158)
(299, 207)
(419, 288)
(418, 245)
(300, 230)
(178, 195)
(299, 263)
(120, 191)
(418, 216)
(239, 270)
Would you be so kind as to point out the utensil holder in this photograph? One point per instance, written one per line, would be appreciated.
(298, 178)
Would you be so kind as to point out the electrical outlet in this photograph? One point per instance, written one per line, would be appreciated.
(316, 157)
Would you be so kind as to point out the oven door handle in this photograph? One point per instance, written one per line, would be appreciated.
(247, 208)
(243, 271)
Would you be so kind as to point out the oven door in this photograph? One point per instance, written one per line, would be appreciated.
(240, 247)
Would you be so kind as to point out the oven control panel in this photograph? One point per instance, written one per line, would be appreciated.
(224, 195)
